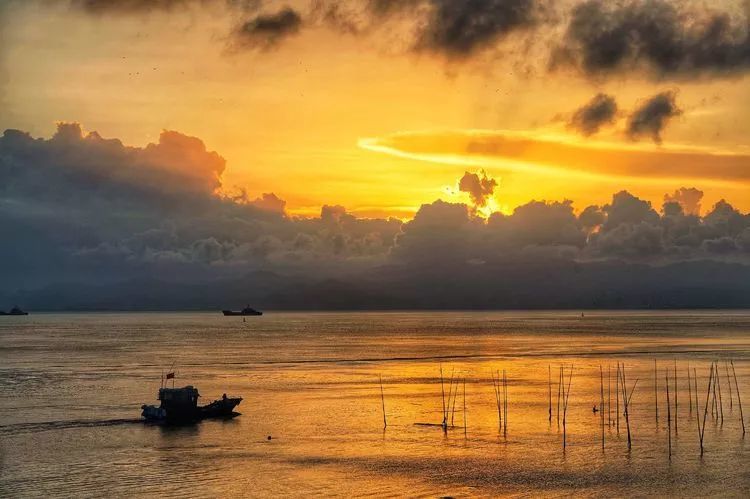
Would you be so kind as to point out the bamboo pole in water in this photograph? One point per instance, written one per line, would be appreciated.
(601, 400)
(729, 382)
(656, 395)
(669, 414)
(617, 397)
(675, 397)
(464, 413)
(382, 399)
(442, 392)
(714, 406)
(559, 386)
(565, 408)
(705, 411)
(697, 416)
(718, 385)
(549, 390)
(739, 400)
(609, 395)
(505, 404)
(450, 393)
(716, 391)
(690, 394)
(695, 394)
(626, 403)
(495, 384)
(453, 410)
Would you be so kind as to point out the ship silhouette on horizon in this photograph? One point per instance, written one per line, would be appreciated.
(14, 311)
(245, 311)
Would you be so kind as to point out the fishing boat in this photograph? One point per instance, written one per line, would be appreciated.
(180, 405)
(245, 311)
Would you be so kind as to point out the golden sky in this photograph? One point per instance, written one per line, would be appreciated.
(315, 119)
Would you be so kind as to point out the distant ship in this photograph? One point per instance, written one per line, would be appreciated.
(14, 311)
(244, 311)
(180, 405)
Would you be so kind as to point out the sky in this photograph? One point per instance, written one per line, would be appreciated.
(326, 139)
(293, 113)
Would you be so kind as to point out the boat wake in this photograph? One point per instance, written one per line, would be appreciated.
(21, 428)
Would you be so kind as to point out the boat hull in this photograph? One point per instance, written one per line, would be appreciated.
(222, 408)
(233, 313)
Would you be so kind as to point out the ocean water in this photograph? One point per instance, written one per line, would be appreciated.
(71, 387)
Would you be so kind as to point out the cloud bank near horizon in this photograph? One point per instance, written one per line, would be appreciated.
(83, 209)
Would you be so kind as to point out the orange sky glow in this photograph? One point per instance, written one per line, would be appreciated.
(322, 119)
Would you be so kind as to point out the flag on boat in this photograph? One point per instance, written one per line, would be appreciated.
(170, 375)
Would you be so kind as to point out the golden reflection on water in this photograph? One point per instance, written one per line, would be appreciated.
(312, 383)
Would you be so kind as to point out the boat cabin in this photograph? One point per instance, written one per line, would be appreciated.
(179, 399)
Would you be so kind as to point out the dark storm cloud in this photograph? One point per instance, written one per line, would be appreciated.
(89, 222)
(461, 27)
(135, 6)
(669, 39)
(101, 6)
(265, 31)
(650, 118)
(599, 111)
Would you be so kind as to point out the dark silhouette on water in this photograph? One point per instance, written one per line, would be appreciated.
(14, 311)
(245, 311)
(180, 405)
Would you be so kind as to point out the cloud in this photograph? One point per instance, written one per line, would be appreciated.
(270, 202)
(461, 28)
(78, 201)
(103, 6)
(144, 6)
(456, 29)
(667, 39)
(599, 111)
(479, 188)
(652, 116)
(98, 224)
(538, 224)
(689, 199)
(591, 218)
(528, 151)
(265, 31)
(627, 209)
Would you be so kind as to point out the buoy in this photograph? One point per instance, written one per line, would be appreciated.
(269, 437)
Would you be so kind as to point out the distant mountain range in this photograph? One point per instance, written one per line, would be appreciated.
(554, 285)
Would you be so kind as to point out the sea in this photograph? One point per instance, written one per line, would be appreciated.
(384, 404)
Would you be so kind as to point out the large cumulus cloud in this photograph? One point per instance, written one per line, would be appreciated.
(78, 203)
(90, 222)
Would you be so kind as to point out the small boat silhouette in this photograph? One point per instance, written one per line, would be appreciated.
(180, 405)
(14, 311)
(245, 311)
